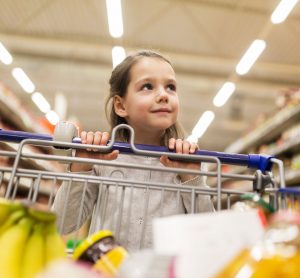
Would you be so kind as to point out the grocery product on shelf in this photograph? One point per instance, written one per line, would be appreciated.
(288, 97)
(15, 116)
(277, 135)
(268, 131)
(290, 198)
(276, 255)
(295, 162)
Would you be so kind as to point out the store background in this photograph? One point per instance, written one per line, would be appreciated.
(65, 49)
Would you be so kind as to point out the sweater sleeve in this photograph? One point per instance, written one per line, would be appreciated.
(203, 201)
(68, 200)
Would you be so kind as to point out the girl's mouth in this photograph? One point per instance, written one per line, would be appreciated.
(161, 110)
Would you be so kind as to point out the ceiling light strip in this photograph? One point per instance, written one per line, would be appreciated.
(279, 15)
(5, 56)
(202, 125)
(118, 55)
(282, 11)
(24, 81)
(52, 117)
(115, 18)
(224, 94)
(250, 57)
(40, 102)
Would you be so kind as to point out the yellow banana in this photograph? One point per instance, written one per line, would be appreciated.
(12, 243)
(7, 207)
(13, 218)
(41, 215)
(55, 247)
(34, 253)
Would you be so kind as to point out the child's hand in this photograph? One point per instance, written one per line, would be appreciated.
(184, 147)
(92, 138)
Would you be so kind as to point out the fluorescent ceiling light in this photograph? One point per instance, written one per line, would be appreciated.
(5, 56)
(23, 80)
(40, 102)
(52, 117)
(60, 105)
(115, 19)
(224, 94)
(282, 11)
(202, 125)
(251, 55)
(118, 55)
(192, 139)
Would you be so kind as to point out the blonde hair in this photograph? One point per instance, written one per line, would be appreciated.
(119, 82)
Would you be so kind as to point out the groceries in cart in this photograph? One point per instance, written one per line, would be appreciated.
(29, 240)
(253, 200)
(277, 254)
(102, 252)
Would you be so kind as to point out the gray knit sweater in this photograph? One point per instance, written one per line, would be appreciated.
(125, 200)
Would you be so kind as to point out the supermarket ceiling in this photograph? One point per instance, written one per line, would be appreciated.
(65, 48)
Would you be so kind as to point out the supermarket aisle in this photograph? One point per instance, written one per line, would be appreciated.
(237, 68)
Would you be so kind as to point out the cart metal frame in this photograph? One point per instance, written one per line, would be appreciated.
(11, 177)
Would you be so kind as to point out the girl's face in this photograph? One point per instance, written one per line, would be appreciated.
(151, 102)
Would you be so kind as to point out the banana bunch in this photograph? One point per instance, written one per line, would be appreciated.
(28, 240)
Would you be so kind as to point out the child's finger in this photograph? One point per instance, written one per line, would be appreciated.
(83, 137)
(172, 142)
(186, 147)
(164, 160)
(90, 137)
(178, 146)
(104, 138)
(97, 139)
(194, 147)
(113, 155)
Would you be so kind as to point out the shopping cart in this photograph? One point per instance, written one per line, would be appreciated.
(41, 185)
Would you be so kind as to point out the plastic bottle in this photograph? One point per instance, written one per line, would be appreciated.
(102, 251)
(277, 255)
(253, 201)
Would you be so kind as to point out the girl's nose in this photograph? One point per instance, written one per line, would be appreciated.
(162, 95)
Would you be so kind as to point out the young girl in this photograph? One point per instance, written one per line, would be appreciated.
(143, 94)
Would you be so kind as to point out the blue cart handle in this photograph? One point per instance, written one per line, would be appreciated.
(255, 161)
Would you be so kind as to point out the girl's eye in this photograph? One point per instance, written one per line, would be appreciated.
(172, 87)
(147, 86)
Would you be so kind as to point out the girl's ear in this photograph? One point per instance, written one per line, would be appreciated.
(119, 106)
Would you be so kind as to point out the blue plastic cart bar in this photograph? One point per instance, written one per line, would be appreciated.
(255, 161)
(290, 190)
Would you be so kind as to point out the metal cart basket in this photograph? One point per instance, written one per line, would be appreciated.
(117, 192)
